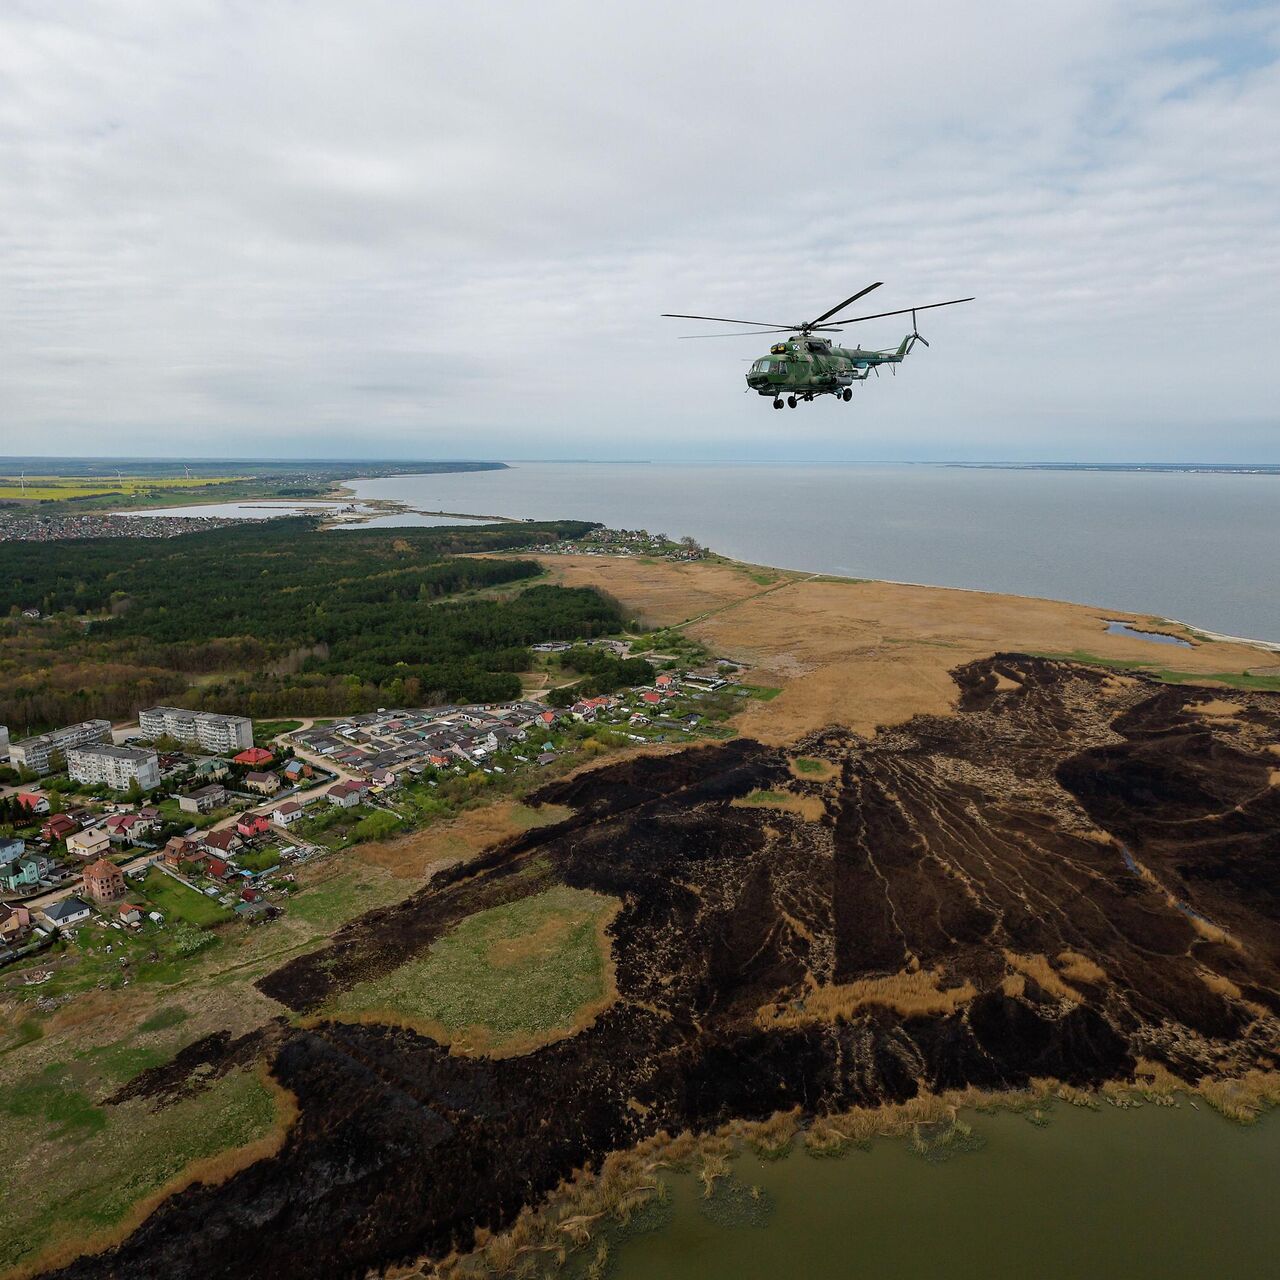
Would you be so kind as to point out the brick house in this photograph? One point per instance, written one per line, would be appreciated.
(103, 881)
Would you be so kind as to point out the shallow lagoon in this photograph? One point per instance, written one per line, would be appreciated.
(1136, 1194)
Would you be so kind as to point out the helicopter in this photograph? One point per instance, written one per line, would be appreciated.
(806, 365)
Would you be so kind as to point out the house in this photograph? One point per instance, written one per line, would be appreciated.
(103, 881)
(204, 799)
(148, 819)
(222, 842)
(92, 842)
(67, 913)
(664, 682)
(129, 913)
(383, 778)
(296, 770)
(286, 814)
(180, 850)
(248, 894)
(24, 872)
(15, 922)
(249, 825)
(58, 827)
(650, 698)
(346, 795)
(216, 868)
(34, 802)
(265, 783)
(121, 826)
(11, 848)
(254, 757)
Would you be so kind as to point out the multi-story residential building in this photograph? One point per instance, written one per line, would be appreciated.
(4, 743)
(217, 733)
(116, 766)
(37, 754)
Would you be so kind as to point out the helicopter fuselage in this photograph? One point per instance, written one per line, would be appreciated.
(806, 367)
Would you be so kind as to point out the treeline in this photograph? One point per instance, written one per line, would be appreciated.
(91, 575)
(295, 620)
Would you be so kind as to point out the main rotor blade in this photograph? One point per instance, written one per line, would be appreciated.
(741, 333)
(766, 324)
(906, 311)
(840, 306)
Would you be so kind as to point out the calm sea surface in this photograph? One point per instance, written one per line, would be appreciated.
(1149, 1194)
(1201, 548)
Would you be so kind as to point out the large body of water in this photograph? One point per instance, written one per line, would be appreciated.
(1199, 547)
(1148, 1194)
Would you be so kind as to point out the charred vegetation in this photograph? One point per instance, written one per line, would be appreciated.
(1070, 874)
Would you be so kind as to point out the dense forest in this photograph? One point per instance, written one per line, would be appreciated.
(278, 618)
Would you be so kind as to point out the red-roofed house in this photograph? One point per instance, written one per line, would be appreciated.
(254, 757)
(664, 682)
(651, 698)
(121, 826)
(59, 827)
(34, 801)
(216, 868)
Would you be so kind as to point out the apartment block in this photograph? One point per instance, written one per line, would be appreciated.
(116, 766)
(37, 753)
(216, 733)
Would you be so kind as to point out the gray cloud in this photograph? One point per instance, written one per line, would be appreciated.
(443, 230)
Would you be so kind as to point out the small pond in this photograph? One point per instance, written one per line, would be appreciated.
(1115, 628)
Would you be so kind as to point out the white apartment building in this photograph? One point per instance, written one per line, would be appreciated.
(116, 766)
(216, 733)
(4, 743)
(37, 753)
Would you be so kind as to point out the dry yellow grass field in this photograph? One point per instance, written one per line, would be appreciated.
(863, 654)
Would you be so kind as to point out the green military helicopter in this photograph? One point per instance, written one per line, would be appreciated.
(806, 365)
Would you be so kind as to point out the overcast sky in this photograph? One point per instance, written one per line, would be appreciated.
(424, 230)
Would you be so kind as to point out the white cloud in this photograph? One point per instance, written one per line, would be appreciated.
(443, 230)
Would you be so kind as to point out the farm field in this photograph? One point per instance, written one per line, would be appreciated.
(55, 488)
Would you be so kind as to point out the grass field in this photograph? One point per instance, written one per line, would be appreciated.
(176, 902)
(44, 488)
(1233, 679)
(503, 980)
(74, 1170)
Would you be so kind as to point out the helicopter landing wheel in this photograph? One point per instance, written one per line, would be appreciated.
(777, 404)
(848, 393)
(791, 402)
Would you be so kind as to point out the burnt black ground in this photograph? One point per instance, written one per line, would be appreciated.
(948, 842)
